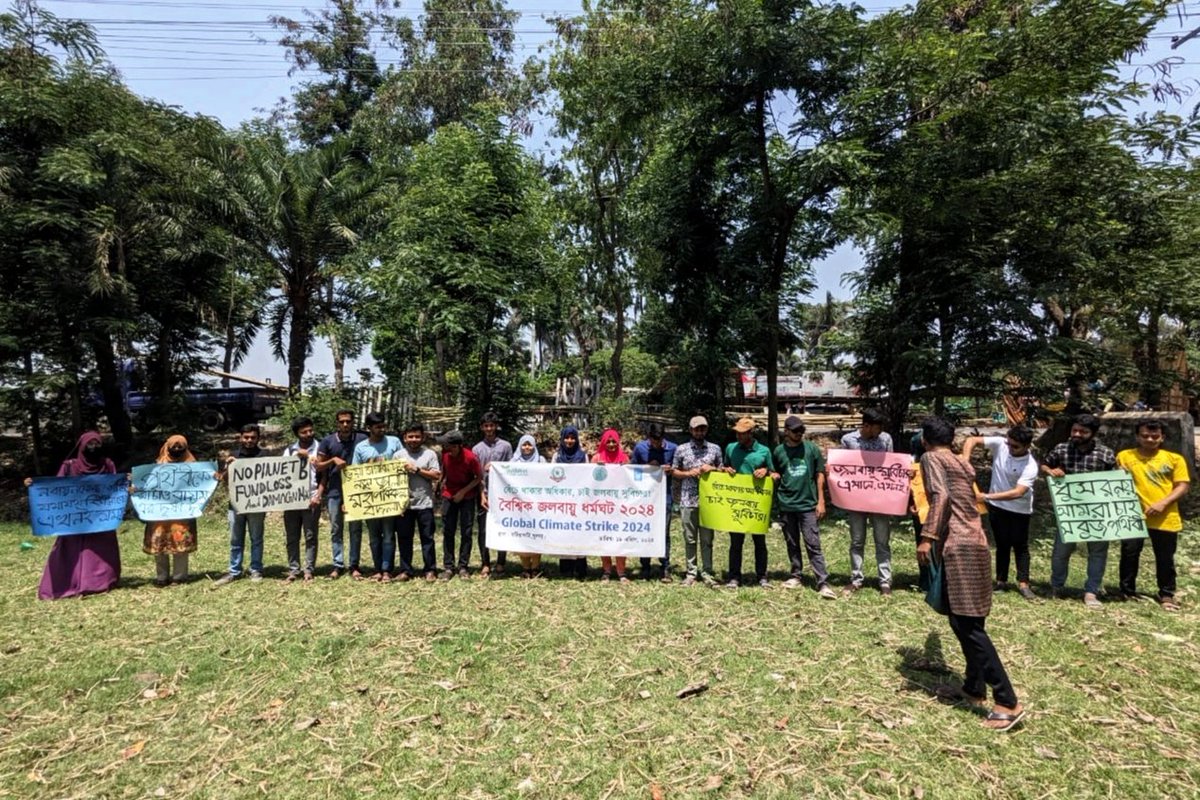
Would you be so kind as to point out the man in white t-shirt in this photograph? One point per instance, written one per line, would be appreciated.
(1010, 500)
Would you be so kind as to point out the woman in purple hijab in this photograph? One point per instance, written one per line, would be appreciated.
(86, 563)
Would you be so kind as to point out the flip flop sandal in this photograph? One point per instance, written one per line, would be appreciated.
(1169, 604)
(1010, 720)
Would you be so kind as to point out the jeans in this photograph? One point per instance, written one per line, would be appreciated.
(983, 662)
(1060, 559)
(238, 523)
(306, 519)
(1011, 531)
(484, 557)
(737, 542)
(665, 561)
(803, 524)
(1164, 544)
(420, 519)
(381, 535)
(162, 567)
(458, 516)
(882, 530)
(336, 520)
(693, 534)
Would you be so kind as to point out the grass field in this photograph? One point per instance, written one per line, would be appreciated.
(555, 688)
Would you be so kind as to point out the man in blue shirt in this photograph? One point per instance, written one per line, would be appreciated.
(658, 451)
(381, 531)
(870, 436)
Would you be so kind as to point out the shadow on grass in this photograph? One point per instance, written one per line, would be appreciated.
(924, 670)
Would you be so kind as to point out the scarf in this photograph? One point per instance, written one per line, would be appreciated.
(603, 456)
(534, 457)
(574, 455)
(79, 464)
(164, 453)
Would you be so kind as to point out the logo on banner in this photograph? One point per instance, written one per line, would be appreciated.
(558, 474)
(599, 473)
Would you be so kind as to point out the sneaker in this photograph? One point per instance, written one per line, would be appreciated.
(255, 577)
(733, 584)
(1027, 593)
(463, 572)
(764, 583)
(1091, 601)
(447, 574)
(792, 583)
(690, 580)
(885, 589)
(827, 593)
(228, 577)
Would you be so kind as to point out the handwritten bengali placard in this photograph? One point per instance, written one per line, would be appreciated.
(83, 504)
(172, 491)
(375, 489)
(1097, 507)
(735, 503)
(577, 509)
(869, 481)
(270, 483)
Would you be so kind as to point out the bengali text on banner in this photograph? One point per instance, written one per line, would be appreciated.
(172, 491)
(375, 489)
(83, 504)
(270, 483)
(735, 503)
(577, 509)
(869, 481)
(1097, 507)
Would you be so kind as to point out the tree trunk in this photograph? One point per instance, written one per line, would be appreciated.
(614, 363)
(485, 365)
(110, 387)
(335, 343)
(299, 335)
(35, 422)
(227, 360)
(439, 369)
(1152, 384)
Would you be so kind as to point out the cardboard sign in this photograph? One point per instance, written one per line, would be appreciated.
(735, 503)
(172, 491)
(1097, 507)
(270, 483)
(869, 481)
(375, 489)
(82, 504)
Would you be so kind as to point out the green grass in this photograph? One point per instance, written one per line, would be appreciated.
(562, 689)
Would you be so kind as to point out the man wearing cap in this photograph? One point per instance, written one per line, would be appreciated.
(692, 460)
(748, 456)
(656, 450)
(870, 436)
(461, 475)
(800, 496)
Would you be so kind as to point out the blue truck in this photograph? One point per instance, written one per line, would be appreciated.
(217, 408)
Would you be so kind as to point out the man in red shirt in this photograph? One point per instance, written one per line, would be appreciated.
(461, 477)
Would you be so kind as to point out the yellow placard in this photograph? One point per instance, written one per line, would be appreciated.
(735, 503)
(376, 489)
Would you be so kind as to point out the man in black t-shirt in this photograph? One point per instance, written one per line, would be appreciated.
(335, 452)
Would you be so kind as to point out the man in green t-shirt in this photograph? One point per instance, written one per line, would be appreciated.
(800, 497)
(748, 456)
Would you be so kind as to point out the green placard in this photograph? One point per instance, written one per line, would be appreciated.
(735, 503)
(1097, 507)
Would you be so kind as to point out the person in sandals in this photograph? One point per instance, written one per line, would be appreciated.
(1160, 478)
(954, 527)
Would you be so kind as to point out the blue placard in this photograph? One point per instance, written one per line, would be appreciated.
(84, 504)
(172, 491)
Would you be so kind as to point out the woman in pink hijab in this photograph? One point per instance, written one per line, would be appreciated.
(87, 563)
(611, 452)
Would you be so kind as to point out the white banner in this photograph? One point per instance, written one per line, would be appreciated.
(577, 509)
(270, 483)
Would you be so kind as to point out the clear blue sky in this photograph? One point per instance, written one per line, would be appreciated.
(219, 58)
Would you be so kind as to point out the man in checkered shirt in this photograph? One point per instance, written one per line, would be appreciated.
(1081, 453)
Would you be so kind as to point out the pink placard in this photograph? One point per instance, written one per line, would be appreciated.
(873, 482)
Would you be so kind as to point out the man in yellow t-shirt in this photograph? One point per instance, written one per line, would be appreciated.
(1160, 478)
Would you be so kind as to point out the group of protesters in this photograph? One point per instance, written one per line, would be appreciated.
(948, 509)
